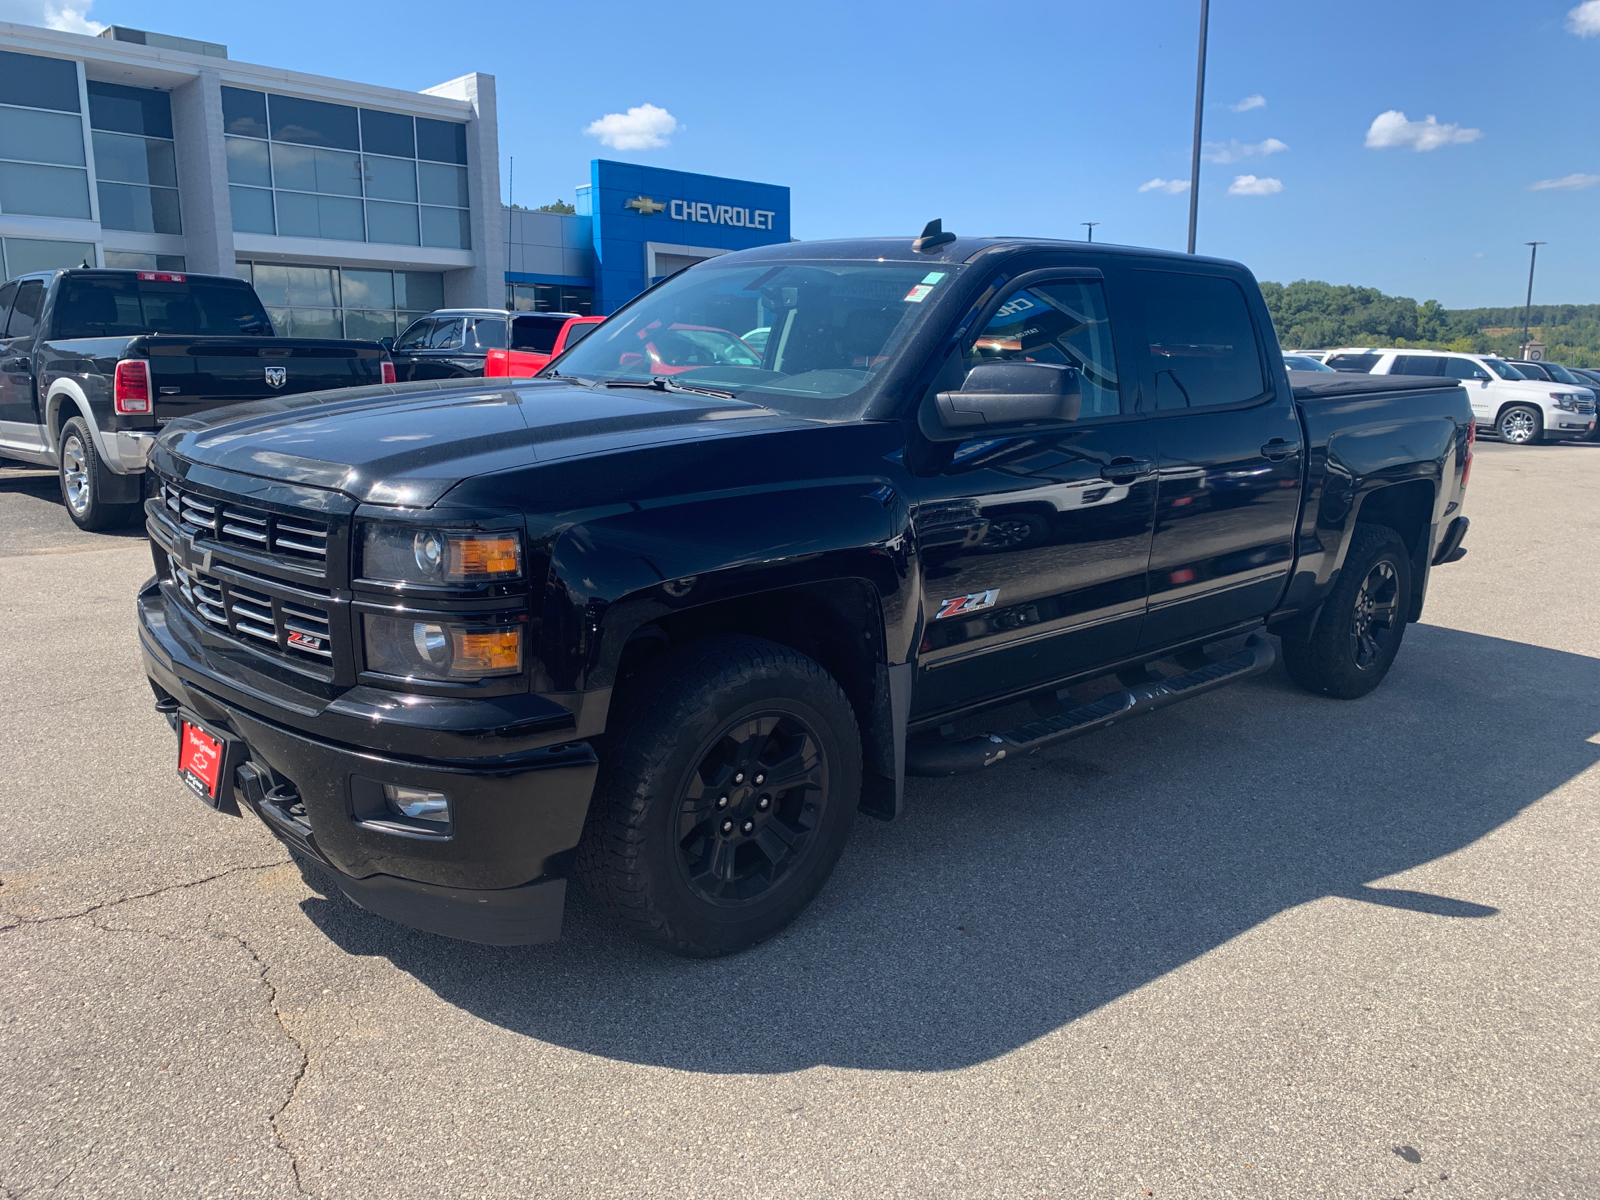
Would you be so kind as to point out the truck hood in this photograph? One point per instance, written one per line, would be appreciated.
(409, 444)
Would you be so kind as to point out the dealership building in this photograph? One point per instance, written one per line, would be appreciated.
(351, 208)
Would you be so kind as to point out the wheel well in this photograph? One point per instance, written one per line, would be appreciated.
(66, 407)
(837, 622)
(1501, 411)
(1407, 508)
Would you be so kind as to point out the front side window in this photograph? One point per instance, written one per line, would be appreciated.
(1202, 342)
(416, 336)
(1504, 369)
(446, 334)
(1064, 323)
(1464, 368)
(833, 329)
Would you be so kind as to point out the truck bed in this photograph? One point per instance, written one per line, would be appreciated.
(1319, 385)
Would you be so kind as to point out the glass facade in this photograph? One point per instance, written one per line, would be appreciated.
(134, 260)
(306, 168)
(43, 170)
(135, 169)
(20, 256)
(334, 302)
(545, 297)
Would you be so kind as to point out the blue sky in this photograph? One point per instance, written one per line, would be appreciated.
(879, 116)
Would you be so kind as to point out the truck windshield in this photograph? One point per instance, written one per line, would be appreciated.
(126, 306)
(830, 328)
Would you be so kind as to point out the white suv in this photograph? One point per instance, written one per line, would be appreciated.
(1519, 409)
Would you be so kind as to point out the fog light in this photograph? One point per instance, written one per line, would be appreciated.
(416, 803)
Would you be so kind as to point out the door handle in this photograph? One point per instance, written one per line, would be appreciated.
(1277, 450)
(14, 364)
(1126, 470)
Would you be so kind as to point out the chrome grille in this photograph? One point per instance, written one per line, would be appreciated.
(289, 626)
(299, 538)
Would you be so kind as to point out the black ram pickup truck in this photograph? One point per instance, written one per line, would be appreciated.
(94, 362)
(667, 627)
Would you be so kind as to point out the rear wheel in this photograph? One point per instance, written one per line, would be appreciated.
(81, 474)
(1358, 631)
(727, 794)
(1520, 424)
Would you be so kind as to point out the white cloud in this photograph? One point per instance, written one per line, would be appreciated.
(1260, 101)
(69, 18)
(643, 128)
(1249, 185)
(1585, 19)
(1228, 152)
(1570, 183)
(1392, 129)
(1171, 187)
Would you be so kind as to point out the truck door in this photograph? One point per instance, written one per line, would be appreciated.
(17, 401)
(1034, 548)
(1229, 454)
(1479, 386)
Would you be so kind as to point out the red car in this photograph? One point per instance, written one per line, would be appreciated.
(535, 342)
(678, 348)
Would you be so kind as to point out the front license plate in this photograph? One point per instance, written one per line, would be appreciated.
(200, 757)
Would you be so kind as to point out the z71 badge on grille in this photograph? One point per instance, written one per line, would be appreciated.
(960, 606)
(305, 640)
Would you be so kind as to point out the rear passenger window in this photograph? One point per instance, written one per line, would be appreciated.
(25, 315)
(1202, 342)
(1064, 323)
(1352, 362)
(1416, 364)
(489, 333)
(537, 335)
(7, 295)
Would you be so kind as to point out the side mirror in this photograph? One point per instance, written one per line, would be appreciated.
(1005, 396)
(386, 342)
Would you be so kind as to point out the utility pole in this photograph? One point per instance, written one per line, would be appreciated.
(1527, 309)
(1199, 112)
(511, 199)
(1091, 225)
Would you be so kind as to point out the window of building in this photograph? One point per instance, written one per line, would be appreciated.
(1202, 343)
(23, 256)
(307, 168)
(134, 260)
(43, 172)
(544, 297)
(307, 301)
(135, 169)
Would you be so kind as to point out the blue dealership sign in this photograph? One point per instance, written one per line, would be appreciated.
(649, 222)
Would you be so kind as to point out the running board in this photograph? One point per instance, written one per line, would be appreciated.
(975, 753)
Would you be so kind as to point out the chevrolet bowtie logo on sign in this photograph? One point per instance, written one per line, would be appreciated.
(646, 206)
(277, 376)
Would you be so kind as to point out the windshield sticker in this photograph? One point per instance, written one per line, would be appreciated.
(919, 293)
(932, 277)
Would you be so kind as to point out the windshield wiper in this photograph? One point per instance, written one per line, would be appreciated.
(662, 383)
(579, 379)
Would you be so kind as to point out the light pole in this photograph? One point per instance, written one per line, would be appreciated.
(1527, 309)
(1199, 110)
(1090, 225)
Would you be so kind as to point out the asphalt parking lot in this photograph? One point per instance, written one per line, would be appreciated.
(1261, 945)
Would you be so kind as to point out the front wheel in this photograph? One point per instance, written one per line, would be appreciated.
(1358, 631)
(726, 795)
(81, 474)
(1521, 424)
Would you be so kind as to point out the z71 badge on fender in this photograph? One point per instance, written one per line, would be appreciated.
(960, 606)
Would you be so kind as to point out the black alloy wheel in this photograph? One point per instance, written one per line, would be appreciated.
(1374, 615)
(751, 807)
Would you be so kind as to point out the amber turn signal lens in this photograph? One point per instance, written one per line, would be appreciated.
(485, 653)
(480, 555)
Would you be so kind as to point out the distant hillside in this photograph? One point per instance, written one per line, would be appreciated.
(1311, 314)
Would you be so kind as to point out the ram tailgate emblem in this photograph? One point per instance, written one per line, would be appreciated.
(960, 606)
(277, 376)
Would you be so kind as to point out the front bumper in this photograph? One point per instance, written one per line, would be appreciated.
(1568, 425)
(497, 876)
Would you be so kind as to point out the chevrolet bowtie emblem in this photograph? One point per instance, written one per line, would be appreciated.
(645, 205)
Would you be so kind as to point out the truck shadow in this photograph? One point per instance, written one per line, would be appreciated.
(1006, 905)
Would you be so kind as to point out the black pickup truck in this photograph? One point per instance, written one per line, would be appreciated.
(93, 362)
(668, 627)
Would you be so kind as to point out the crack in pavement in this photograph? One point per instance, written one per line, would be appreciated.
(16, 921)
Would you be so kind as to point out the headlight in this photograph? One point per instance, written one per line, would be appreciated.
(440, 649)
(438, 557)
(1565, 401)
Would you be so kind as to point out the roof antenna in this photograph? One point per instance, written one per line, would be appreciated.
(933, 236)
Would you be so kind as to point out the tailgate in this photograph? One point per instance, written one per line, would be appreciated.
(194, 375)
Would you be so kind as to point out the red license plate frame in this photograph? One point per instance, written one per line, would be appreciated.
(201, 758)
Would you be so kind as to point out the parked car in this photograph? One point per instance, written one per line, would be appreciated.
(669, 632)
(1353, 359)
(1520, 410)
(536, 349)
(93, 362)
(1318, 355)
(456, 343)
(1304, 362)
(1591, 380)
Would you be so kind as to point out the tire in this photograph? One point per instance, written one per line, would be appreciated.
(662, 856)
(1520, 424)
(81, 472)
(1014, 531)
(1359, 628)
